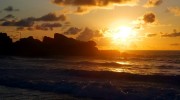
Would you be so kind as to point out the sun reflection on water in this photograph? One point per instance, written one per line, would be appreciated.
(117, 69)
(123, 63)
(124, 70)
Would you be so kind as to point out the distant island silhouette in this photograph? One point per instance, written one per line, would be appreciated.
(60, 45)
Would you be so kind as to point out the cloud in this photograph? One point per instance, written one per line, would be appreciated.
(30, 21)
(8, 17)
(153, 3)
(27, 22)
(174, 10)
(44, 27)
(10, 9)
(174, 34)
(149, 18)
(72, 31)
(92, 2)
(52, 17)
(151, 35)
(88, 34)
(88, 5)
(47, 26)
(175, 44)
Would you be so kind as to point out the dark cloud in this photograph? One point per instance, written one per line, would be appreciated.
(99, 3)
(88, 34)
(27, 22)
(8, 17)
(151, 35)
(149, 18)
(44, 27)
(72, 31)
(174, 34)
(145, 20)
(76, 2)
(47, 26)
(10, 9)
(174, 10)
(8, 23)
(84, 6)
(175, 44)
(153, 3)
(52, 17)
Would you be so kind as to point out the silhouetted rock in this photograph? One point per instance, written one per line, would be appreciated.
(68, 46)
(59, 45)
(5, 44)
(28, 46)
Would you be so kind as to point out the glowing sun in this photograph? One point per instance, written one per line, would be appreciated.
(121, 35)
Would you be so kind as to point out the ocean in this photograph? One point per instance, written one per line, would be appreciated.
(135, 75)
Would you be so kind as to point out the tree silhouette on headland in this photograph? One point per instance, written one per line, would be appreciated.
(59, 45)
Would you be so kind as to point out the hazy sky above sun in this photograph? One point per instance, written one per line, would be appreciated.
(112, 24)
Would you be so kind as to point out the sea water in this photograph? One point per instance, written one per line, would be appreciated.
(136, 75)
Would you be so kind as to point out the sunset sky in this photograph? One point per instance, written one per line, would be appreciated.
(113, 24)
